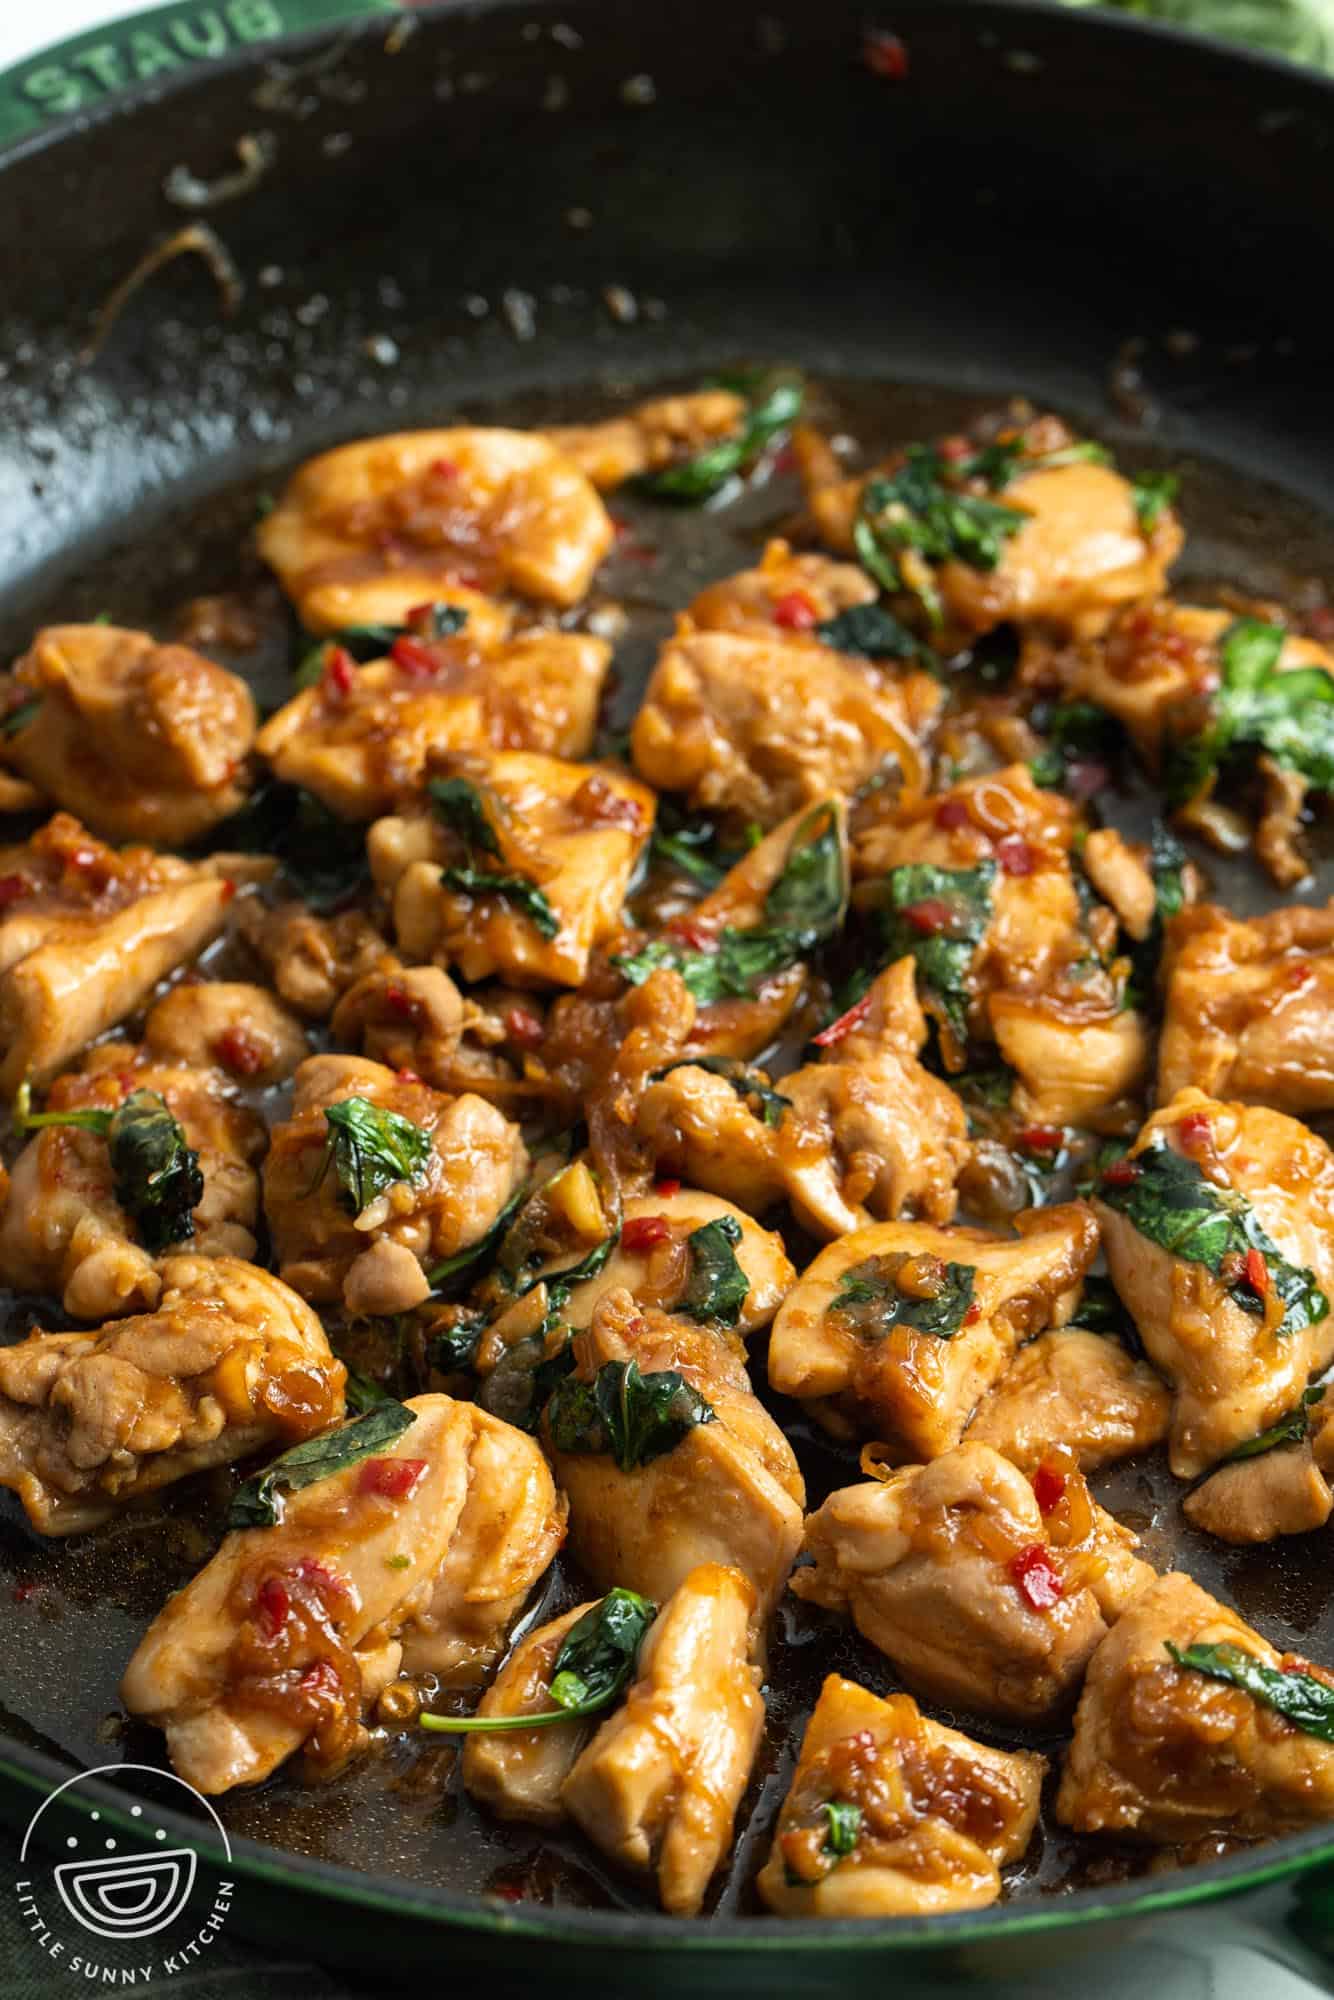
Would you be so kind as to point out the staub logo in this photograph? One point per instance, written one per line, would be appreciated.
(127, 1903)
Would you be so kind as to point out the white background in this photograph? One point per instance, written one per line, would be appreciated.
(24, 29)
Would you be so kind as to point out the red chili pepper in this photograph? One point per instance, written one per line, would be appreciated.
(1299, 974)
(844, 1025)
(391, 1478)
(414, 658)
(238, 1051)
(952, 449)
(321, 1678)
(1037, 1580)
(1040, 1139)
(1257, 1271)
(1194, 1132)
(327, 1581)
(885, 55)
(951, 813)
(1121, 1173)
(795, 612)
(23, 1592)
(666, 1188)
(13, 888)
(972, 1316)
(407, 1076)
(272, 1605)
(443, 468)
(642, 1232)
(930, 916)
(1048, 1488)
(524, 1028)
(698, 936)
(228, 888)
(340, 672)
(1015, 855)
(399, 1001)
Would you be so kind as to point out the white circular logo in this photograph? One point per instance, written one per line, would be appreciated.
(125, 1897)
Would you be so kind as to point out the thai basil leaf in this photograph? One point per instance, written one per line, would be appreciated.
(516, 889)
(463, 1260)
(1299, 1698)
(370, 1149)
(20, 716)
(362, 1392)
(1073, 729)
(1172, 1204)
(717, 1287)
(943, 957)
(596, 1661)
(454, 1349)
(914, 509)
(869, 632)
(1153, 494)
(845, 1826)
(749, 1084)
(1005, 460)
(634, 1417)
(1100, 1311)
(689, 849)
(372, 642)
(871, 1300)
(1288, 715)
(323, 857)
(460, 805)
(259, 1503)
(775, 407)
(156, 1173)
(1294, 1428)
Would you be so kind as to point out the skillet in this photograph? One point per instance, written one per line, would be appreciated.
(525, 207)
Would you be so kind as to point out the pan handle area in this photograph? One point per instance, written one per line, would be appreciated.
(79, 74)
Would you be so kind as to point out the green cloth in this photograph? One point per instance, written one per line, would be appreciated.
(1302, 30)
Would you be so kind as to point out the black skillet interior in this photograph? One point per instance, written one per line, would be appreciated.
(530, 209)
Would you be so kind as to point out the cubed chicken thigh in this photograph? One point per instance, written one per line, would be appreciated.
(227, 1025)
(1079, 1390)
(688, 1252)
(650, 437)
(789, 592)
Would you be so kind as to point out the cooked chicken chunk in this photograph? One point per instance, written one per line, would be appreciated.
(658, 1787)
(63, 1228)
(937, 1815)
(375, 1258)
(231, 1361)
(367, 739)
(1281, 1491)
(1166, 1754)
(699, 1127)
(1250, 1007)
(1074, 1389)
(649, 437)
(85, 935)
(290, 1632)
(1236, 1314)
(566, 840)
(656, 1263)
(518, 1774)
(897, 1331)
(1079, 1059)
(313, 960)
(1121, 873)
(407, 1018)
(763, 726)
(141, 741)
(790, 593)
(364, 534)
(980, 1600)
(227, 1025)
(727, 1490)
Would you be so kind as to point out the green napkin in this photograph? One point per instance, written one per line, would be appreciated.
(1302, 30)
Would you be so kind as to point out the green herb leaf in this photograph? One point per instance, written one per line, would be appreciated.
(1294, 1428)
(561, 1283)
(20, 716)
(516, 889)
(1100, 1311)
(1172, 1204)
(845, 1826)
(687, 848)
(717, 1287)
(752, 1086)
(871, 1302)
(1074, 730)
(774, 407)
(914, 508)
(463, 1260)
(961, 899)
(634, 1417)
(259, 1503)
(454, 1349)
(1153, 494)
(461, 806)
(372, 642)
(156, 1173)
(370, 1149)
(1289, 715)
(362, 1392)
(596, 1661)
(869, 632)
(1299, 1698)
(323, 857)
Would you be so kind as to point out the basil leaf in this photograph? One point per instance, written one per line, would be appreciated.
(914, 509)
(636, 1418)
(845, 1826)
(372, 642)
(717, 1287)
(1153, 494)
(561, 1283)
(1288, 715)
(961, 899)
(774, 407)
(685, 848)
(525, 1378)
(454, 1349)
(259, 1503)
(323, 857)
(20, 716)
(869, 632)
(526, 897)
(596, 1661)
(1100, 1311)
(461, 806)
(370, 1149)
(1299, 1698)
(1074, 730)
(156, 1173)
(1294, 1428)
(870, 1300)
(362, 1392)
(752, 1086)
(1172, 1204)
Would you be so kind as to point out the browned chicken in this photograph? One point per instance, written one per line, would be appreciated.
(409, 1017)
(699, 1128)
(1250, 1007)
(650, 437)
(518, 1774)
(141, 741)
(658, 1787)
(465, 1160)
(788, 592)
(230, 1361)
(722, 1488)
(85, 935)
(1074, 1389)
(655, 1260)
(565, 839)
(1164, 1753)
(1236, 1313)
(364, 739)
(763, 726)
(313, 960)
(892, 1815)
(227, 1025)
(897, 1331)
(979, 1598)
(1281, 1491)
(365, 533)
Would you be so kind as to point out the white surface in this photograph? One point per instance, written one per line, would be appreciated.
(25, 29)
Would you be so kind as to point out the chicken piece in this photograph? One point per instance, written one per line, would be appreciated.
(290, 1632)
(567, 840)
(367, 740)
(141, 741)
(1238, 1318)
(1281, 1491)
(365, 533)
(980, 1600)
(650, 437)
(1078, 1390)
(727, 1491)
(700, 1129)
(763, 726)
(518, 1774)
(85, 936)
(658, 1787)
(63, 1228)
(376, 1259)
(897, 1331)
(407, 1019)
(870, 1133)
(1250, 1006)
(598, 1059)
(791, 593)
(1165, 1754)
(1079, 1060)
(1121, 873)
(313, 960)
(229, 1025)
(231, 1361)
(17, 795)
(938, 1814)
(655, 1263)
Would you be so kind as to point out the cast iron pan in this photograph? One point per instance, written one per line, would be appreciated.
(523, 209)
